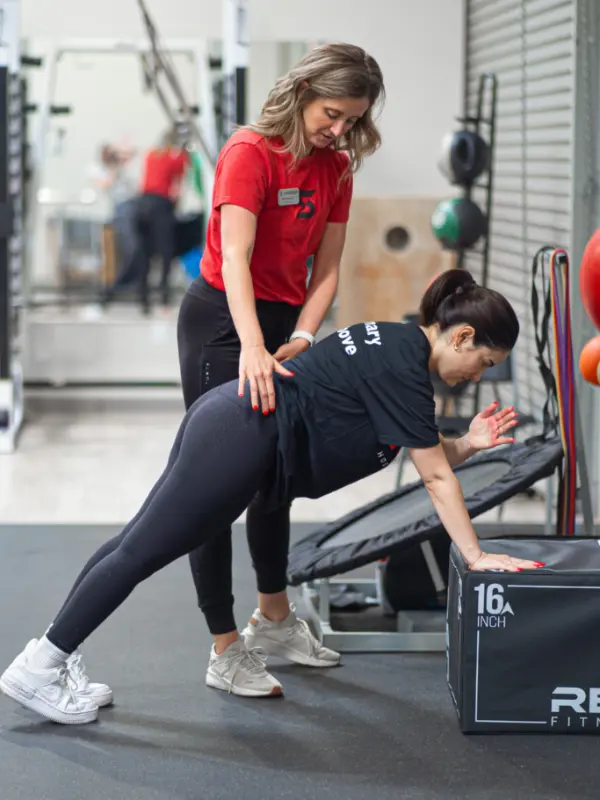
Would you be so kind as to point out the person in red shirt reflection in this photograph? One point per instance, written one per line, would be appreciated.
(164, 169)
(281, 198)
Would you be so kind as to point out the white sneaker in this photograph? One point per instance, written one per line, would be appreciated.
(241, 670)
(100, 693)
(291, 639)
(49, 692)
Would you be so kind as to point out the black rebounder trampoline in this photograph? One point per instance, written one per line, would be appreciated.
(406, 516)
(400, 522)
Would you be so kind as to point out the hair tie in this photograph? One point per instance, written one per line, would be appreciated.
(463, 289)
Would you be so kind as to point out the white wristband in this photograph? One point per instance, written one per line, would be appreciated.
(303, 335)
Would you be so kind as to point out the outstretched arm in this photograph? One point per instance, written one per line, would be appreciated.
(446, 495)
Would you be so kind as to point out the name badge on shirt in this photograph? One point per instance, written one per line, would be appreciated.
(288, 197)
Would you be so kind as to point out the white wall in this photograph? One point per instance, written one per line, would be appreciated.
(268, 61)
(419, 47)
(65, 18)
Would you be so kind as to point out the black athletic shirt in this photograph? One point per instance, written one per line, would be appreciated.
(357, 396)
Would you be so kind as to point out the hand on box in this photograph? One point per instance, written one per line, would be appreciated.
(493, 561)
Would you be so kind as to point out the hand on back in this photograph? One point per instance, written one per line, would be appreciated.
(257, 366)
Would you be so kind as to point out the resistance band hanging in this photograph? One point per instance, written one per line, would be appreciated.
(543, 358)
(559, 413)
(563, 360)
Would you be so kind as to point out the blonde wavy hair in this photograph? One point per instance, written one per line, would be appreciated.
(334, 71)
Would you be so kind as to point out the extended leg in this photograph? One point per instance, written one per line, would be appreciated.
(112, 544)
(204, 491)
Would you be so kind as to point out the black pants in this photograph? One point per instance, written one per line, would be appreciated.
(156, 225)
(223, 454)
(209, 353)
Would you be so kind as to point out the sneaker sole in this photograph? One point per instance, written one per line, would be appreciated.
(219, 683)
(102, 700)
(35, 703)
(275, 649)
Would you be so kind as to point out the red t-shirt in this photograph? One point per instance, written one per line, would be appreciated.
(290, 226)
(161, 169)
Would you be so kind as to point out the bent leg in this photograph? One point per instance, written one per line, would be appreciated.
(211, 562)
(274, 626)
(268, 532)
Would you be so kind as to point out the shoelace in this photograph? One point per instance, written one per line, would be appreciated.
(76, 668)
(66, 681)
(253, 659)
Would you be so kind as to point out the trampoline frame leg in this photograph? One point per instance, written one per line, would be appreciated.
(410, 636)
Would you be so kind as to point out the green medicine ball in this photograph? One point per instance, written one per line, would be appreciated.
(458, 223)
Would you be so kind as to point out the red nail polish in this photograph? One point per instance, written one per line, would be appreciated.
(255, 408)
(271, 410)
(519, 569)
(539, 564)
(292, 373)
(266, 413)
(240, 394)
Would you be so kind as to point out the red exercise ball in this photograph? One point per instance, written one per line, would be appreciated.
(589, 279)
(589, 361)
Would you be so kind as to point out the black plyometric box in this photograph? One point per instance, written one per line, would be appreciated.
(523, 648)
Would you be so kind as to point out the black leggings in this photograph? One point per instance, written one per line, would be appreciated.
(223, 454)
(156, 228)
(209, 353)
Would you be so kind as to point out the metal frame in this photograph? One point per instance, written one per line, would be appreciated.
(162, 67)
(235, 63)
(11, 237)
(205, 131)
(416, 631)
(586, 215)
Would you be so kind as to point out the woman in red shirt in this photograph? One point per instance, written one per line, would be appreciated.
(164, 169)
(282, 194)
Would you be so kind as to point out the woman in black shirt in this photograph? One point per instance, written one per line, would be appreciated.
(354, 399)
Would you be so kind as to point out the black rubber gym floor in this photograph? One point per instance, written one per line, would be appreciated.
(380, 726)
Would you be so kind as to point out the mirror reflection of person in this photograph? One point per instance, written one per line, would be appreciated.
(113, 177)
(163, 173)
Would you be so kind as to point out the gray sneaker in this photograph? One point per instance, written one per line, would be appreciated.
(241, 670)
(291, 639)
